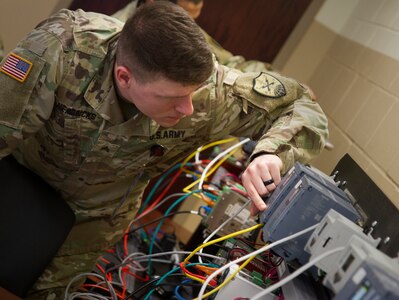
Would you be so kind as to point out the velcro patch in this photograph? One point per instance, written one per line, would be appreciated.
(16, 67)
(268, 85)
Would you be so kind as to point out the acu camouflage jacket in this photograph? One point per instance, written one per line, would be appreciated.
(61, 118)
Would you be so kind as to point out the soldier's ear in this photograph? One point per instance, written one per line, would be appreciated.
(123, 76)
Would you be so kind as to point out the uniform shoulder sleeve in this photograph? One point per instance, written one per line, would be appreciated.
(29, 75)
(274, 109)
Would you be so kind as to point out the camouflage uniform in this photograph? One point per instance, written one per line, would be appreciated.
(222, 55)
(63, 120)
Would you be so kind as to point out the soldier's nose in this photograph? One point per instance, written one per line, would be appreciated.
(185, 107)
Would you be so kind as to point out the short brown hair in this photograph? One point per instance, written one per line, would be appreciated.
(161, 39)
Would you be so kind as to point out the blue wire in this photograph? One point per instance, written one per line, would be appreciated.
(160, 224)
(167, 274)
(156, 185)
(178, 296)
(210, 195)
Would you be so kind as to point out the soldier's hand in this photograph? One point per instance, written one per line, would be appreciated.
(260, 178)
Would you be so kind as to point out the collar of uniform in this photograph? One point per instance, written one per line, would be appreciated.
(101, 94)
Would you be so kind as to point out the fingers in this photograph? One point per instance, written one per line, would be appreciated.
(261, 178)
(253, 209)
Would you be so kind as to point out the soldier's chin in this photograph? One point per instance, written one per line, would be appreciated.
(169, 122)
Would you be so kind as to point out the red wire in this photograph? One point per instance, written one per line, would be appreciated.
(160, 197)
(100, 287)
(124, 284)
(144, 279)
(108, 275)
(182, 267)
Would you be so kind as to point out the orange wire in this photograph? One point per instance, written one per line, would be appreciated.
(100, 287)
(185, 271)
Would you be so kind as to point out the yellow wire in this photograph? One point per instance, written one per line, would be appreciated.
(194, 278)
(215, 167)
(206, 147)
(214, 242)
(228, 279)
(219, 240)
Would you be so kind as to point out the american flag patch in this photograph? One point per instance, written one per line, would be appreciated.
(16, 67)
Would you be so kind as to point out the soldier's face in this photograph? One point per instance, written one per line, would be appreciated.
(163, 100)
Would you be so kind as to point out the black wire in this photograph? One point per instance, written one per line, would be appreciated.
(163, 185)
(159, 219)
(162, 284)
(144, 225)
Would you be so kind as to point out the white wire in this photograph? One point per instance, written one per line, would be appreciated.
(110, 287)
(156, 206)
(213, 161)
(297, 272)
(88, 296)
(144, 257)
(222, 225)
(197, 160)
(252, 254)
(124, 262)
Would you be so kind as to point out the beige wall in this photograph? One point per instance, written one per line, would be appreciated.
(18, 17)
(352, 63)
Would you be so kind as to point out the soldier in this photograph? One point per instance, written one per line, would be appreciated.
(101, 107)
(194, 7)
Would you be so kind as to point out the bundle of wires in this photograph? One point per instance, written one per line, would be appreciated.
(111, 276)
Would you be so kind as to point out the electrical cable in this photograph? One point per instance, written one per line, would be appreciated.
(145, 257)
(193, 212)
(154, 188)
(224, 224)
(297, 272)
(202, 148)
(158, 205)
(88, 296)
(252, 254)
(144, 214)
(227, 280)
(214, 242)
(150, 250)
(110, 287)
(161, 284)
(177, 294)
(187, 188)
(221, 154)
(163, 278)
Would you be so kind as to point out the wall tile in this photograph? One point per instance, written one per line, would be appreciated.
(383, 71)
(386, 15)
(369, 117)
(323, 77)
(352, 103)
(361, 158)
(386, 41)
(308, 53)
(394, 88)
(384, 144)
(364, 32)
(393, 169)
(395, 25)
(337, 90)
(367, 9)
(345, 51)
(328, 159)
(365, 62)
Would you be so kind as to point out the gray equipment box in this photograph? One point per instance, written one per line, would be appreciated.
(291, 179)
(305, 204)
